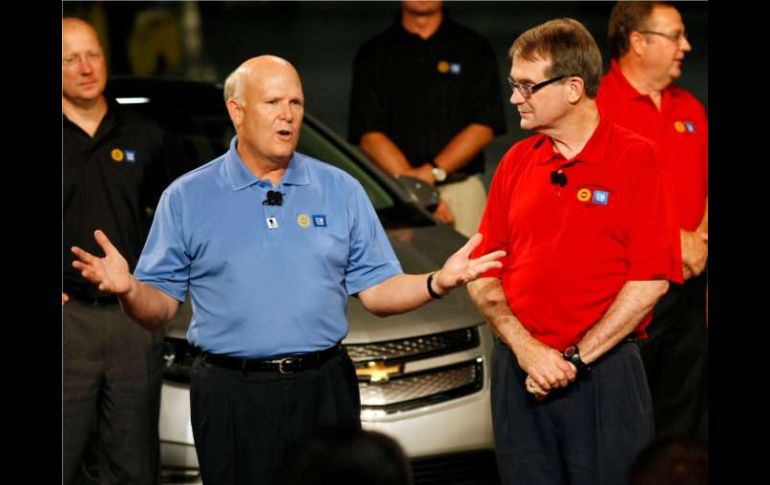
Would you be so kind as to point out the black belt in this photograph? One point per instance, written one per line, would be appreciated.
(289, 364)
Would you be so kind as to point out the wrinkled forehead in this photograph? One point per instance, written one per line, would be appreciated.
(77, 38)
(529, 70)
(277, 79)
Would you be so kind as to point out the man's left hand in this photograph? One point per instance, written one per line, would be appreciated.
(459, 269)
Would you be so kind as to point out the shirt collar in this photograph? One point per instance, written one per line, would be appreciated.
(625, 89)
(241, 177)
(593, 152)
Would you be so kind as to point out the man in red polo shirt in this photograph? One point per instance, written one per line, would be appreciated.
(589, 227)
(648, 42)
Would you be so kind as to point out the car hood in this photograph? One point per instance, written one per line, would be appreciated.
(420, 250)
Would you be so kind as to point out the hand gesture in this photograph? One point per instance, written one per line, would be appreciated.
(110, 273)
(460, 269)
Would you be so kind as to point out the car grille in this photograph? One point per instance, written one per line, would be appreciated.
(420, 389)
(386, 388)
(415, 347)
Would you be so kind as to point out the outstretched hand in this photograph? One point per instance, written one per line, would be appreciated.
(460, 269)
(110, 273)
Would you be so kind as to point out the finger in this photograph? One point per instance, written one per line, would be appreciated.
(104, 242)
(64, 298)
(472, 244)
(542, 383)
(84, 256)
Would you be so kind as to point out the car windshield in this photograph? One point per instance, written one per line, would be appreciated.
(196, 114)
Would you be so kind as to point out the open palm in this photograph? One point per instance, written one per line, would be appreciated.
(109, 273)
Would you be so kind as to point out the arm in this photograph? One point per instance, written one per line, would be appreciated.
(695, 248)
(145, 304)
(544, 364)
(386, 154)
(405, 292)
(634, 301)
(463, 147)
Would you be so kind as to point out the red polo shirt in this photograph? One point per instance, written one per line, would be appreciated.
(680, 129)
(571, 249)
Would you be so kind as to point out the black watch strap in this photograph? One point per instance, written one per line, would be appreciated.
(572, 354)
(432, 293)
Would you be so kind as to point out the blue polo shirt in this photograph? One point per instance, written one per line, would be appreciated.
(266, 280)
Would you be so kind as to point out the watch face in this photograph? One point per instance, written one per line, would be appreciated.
(570, 351)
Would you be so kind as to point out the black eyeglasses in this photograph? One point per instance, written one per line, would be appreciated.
(676, 37)
(527, 90)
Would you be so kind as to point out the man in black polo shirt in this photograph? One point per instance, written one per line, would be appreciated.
(112, 368)
(426, 100)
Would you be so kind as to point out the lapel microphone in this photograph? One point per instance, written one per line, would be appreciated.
(558, 177)
(273, 198)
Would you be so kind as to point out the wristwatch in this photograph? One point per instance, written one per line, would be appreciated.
(572, 354)
(438, 173)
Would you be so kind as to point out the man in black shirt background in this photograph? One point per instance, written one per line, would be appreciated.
(426, 100)
(115, 167)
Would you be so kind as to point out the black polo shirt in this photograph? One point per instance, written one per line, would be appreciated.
(421, 93)
(110, 181)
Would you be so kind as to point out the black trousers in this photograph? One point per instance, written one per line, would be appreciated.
(588, 433)
(112, 372)
(676, 357)
(248, 424)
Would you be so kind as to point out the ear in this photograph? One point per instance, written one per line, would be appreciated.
(235, 110)
(575, 89)
(637, 43)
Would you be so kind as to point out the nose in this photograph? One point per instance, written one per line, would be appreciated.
(85, 66)
(684, 44)
(516, 97)
(287, 112)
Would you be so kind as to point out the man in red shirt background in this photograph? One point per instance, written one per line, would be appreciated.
(648, 42)
(588, 222)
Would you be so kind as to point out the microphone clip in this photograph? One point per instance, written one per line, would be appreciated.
(558, 178)
(273, 198)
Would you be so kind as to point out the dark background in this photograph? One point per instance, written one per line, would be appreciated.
(321, 38)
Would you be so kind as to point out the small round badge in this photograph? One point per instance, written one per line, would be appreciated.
(117, 154)
(584, 195)
(679, 127)
(303, 220)
(443, 67)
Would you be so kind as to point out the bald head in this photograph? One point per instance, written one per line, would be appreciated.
(266, 105)
(84, 71)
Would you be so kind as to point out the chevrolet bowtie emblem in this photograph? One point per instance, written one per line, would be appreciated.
(379, 371)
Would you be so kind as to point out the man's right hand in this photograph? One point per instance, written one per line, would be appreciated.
(109, 273)
(545, 365)
(695, 252)
(424, 172)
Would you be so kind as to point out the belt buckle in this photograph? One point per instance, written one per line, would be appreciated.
(286, 361)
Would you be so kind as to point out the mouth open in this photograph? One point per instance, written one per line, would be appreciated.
(284, 134)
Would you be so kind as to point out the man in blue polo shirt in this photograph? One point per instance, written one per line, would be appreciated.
(269, 243)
